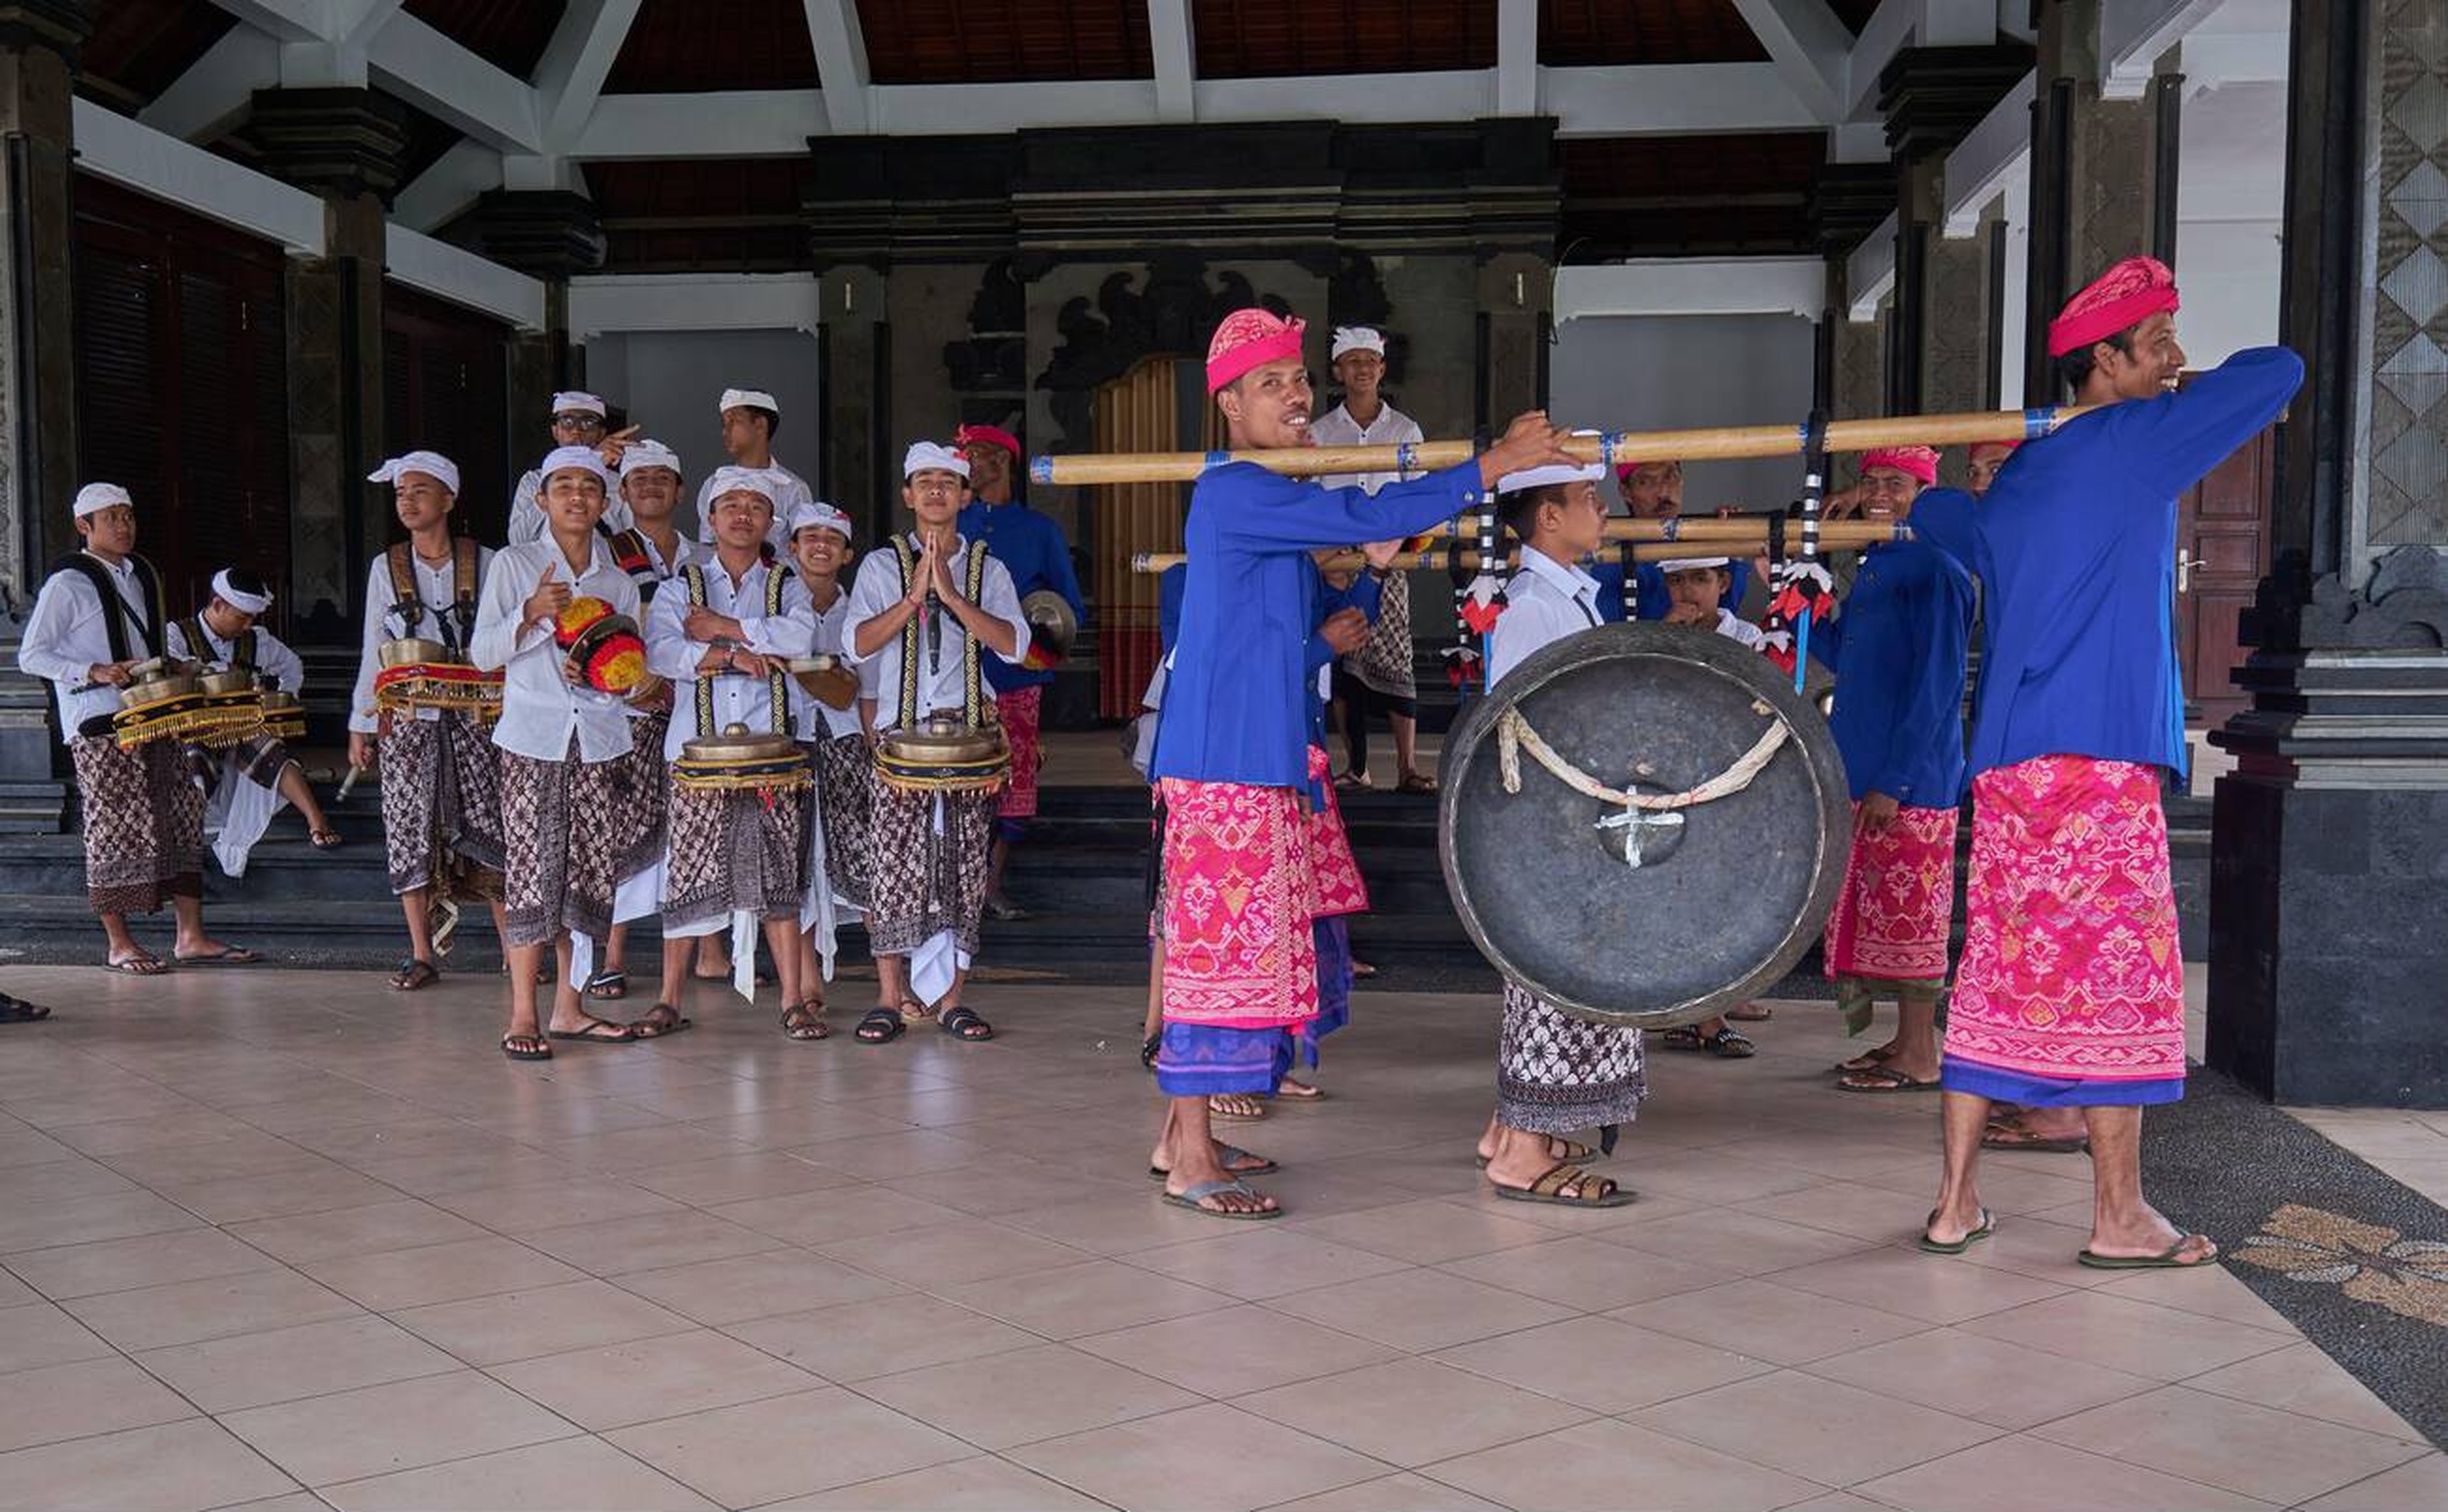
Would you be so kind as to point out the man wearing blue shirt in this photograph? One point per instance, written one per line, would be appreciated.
(1033, 549)
(2071, 991)
(1232, 760)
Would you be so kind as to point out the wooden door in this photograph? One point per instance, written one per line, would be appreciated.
(1138, 412)
(446, 377)
(2222, 553)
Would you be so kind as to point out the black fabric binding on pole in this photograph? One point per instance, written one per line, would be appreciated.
(1814, 470)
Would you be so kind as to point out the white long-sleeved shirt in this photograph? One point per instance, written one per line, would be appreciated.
(1545, 602)
(1338, 429)
(64, 637)
(437, 590)
(286, 668)
(738, 698)
(810, 718)
(528, 522)
(665, 569)
(540, 710)
(789, 492)
(940, 689)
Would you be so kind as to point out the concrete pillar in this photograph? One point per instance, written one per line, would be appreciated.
(2326, 883)
(858, 466)
(1514, 315)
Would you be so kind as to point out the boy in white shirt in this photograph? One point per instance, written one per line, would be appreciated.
(245, 784)
(839, 742)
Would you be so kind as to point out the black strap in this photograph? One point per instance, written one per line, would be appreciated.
(115, 612)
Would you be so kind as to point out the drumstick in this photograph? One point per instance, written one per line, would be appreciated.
(1711, 444)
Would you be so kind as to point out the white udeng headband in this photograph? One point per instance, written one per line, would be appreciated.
(230, 593)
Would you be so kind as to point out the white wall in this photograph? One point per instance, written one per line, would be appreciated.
(2230, 191)
(1673, 372)
(669, 380)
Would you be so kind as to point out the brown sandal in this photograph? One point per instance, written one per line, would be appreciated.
(1574, 1151)
(805, 1021)
(1589, 1189)
(413, 975)
(661, 1020)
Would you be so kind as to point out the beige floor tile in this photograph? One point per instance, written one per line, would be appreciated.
(58, 1174)
(440, 1273)
(1419, 1310)
(1260, 1260)
(76, 1400)
(2222, 1295)
(16, 1293)
(278, 1194)
(654, 1241)
(1423, 1232)
(1585, 1273)
(38, 1334)
(400, 1224)
(1915, 1285)
(1768, 1322)
(775, 1280)
(2302, 1380)
(738, 1178)
(646, 1379)
(2422, 1482)
(1119, 1226)
(1409, 1411)
(1210, 1458)
(378, 1429)
(545, 1320)
(991, 1188)
(986, 1484)
(2024, 1474)
(970, 1249)
(1042, 1392)
(2044, 1251)
(1873, 1212)
(1988, 1380)
(1094, 1297)
(294, 1501)
(2138, 1337)
(1602, 1363)
(32, 1223)
(567, 1475)
(281, 1365)
(156, 1316)
(445, 1172)
(246, 1152)
(1736, 1243)
(1234, 1351)
(120, 1265)
(628, 1149)
(162, 1131)
(169, 1468)
(553, 1204)
(2241, 1447)
(892, 1154)
(1607, 1465)
(845, 1212)
(1818, 1429)
(857, 1341)
(1705, 1175)
(1405, 1492)
(786, 1447)
(810, 1126)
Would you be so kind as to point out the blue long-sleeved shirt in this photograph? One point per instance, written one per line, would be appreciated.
(1648, 587)
(1898, 649)
(1365, 594)
(2075, 548)
(1235, 709)
(1032, 548)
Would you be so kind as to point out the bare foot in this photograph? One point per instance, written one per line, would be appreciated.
(2146, 1235)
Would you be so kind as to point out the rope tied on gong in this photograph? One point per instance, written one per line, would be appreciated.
(1514, 736)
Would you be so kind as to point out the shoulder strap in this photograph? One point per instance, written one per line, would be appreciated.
(912, 634)
(114, 609)
(404, 594)
(157, 613)
(694, 576)
(199, 642)
(973, 703)
(777, 688)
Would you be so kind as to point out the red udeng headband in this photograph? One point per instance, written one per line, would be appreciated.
(1250, 339)
(2131, 292)
(1921, 461)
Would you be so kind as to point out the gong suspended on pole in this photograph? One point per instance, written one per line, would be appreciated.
(1643, 824)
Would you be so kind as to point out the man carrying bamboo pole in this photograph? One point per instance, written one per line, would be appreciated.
(2070, 993)
(1232, 760)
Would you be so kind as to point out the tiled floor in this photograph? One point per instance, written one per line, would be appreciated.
(283, 1239)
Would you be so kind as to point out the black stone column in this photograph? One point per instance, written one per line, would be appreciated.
(1848, 202)
(2329, 881)
(553, 236)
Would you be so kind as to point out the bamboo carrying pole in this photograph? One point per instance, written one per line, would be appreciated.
(1714, 444)
(1745, 537)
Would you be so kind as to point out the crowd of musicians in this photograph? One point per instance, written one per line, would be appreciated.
(577, 801)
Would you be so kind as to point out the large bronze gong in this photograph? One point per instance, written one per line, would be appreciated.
(1641, 916)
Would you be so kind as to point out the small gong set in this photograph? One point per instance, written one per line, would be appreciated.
(166, 698)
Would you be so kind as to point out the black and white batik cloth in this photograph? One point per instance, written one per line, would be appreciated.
(442, 806)
(1556, 1074)
(570, 843)
(930, 853)
(732, 852)
(144, 822)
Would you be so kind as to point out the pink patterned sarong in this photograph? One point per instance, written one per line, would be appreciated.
(1017, 709)
(1239, 894)
(1893, 917)
(2071, 970)
(1340, 888)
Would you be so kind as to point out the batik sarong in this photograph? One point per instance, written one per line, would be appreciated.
(442, 806)
(1556, 1074)
(143, 821)
(1890, 927)
(929, 867)
(1018, 710)
(569, 845)
(2072, 986)
(645, 775)
(732, 852)
(1240, 894)
(1340, 891)
(844, 806)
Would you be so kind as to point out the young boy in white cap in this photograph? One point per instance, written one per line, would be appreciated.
(750, 419)
(563, 748)
(924, 609)
(578, 420)
(246, 783)
(838, 741)
(97, 616)
(1695, 592)
(441, 776)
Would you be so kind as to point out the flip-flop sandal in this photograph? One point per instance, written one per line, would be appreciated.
(415, 975)
(226, 955)
(140, 965)
(1866, 1060)
(1750, 1013)
(598, 1031)
(1292, 1091)
(1006, 912)
(882, 1026)
(526, 1047)
(2165, 1261)
(324, 839)
(962, 1023)
(1354, 783)
(804, 1021)
(1988, 1226)
(1879, 1080)
(608, 984)
(1226, 1154)
(17, 1010)
(1575, 1151)
(659, 1020)
(1416, 782)
(913, 1011)
(1589, 1189)
(1727, 1044)
(1148, 1048)
(1199, 1192)
(1363, 972)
